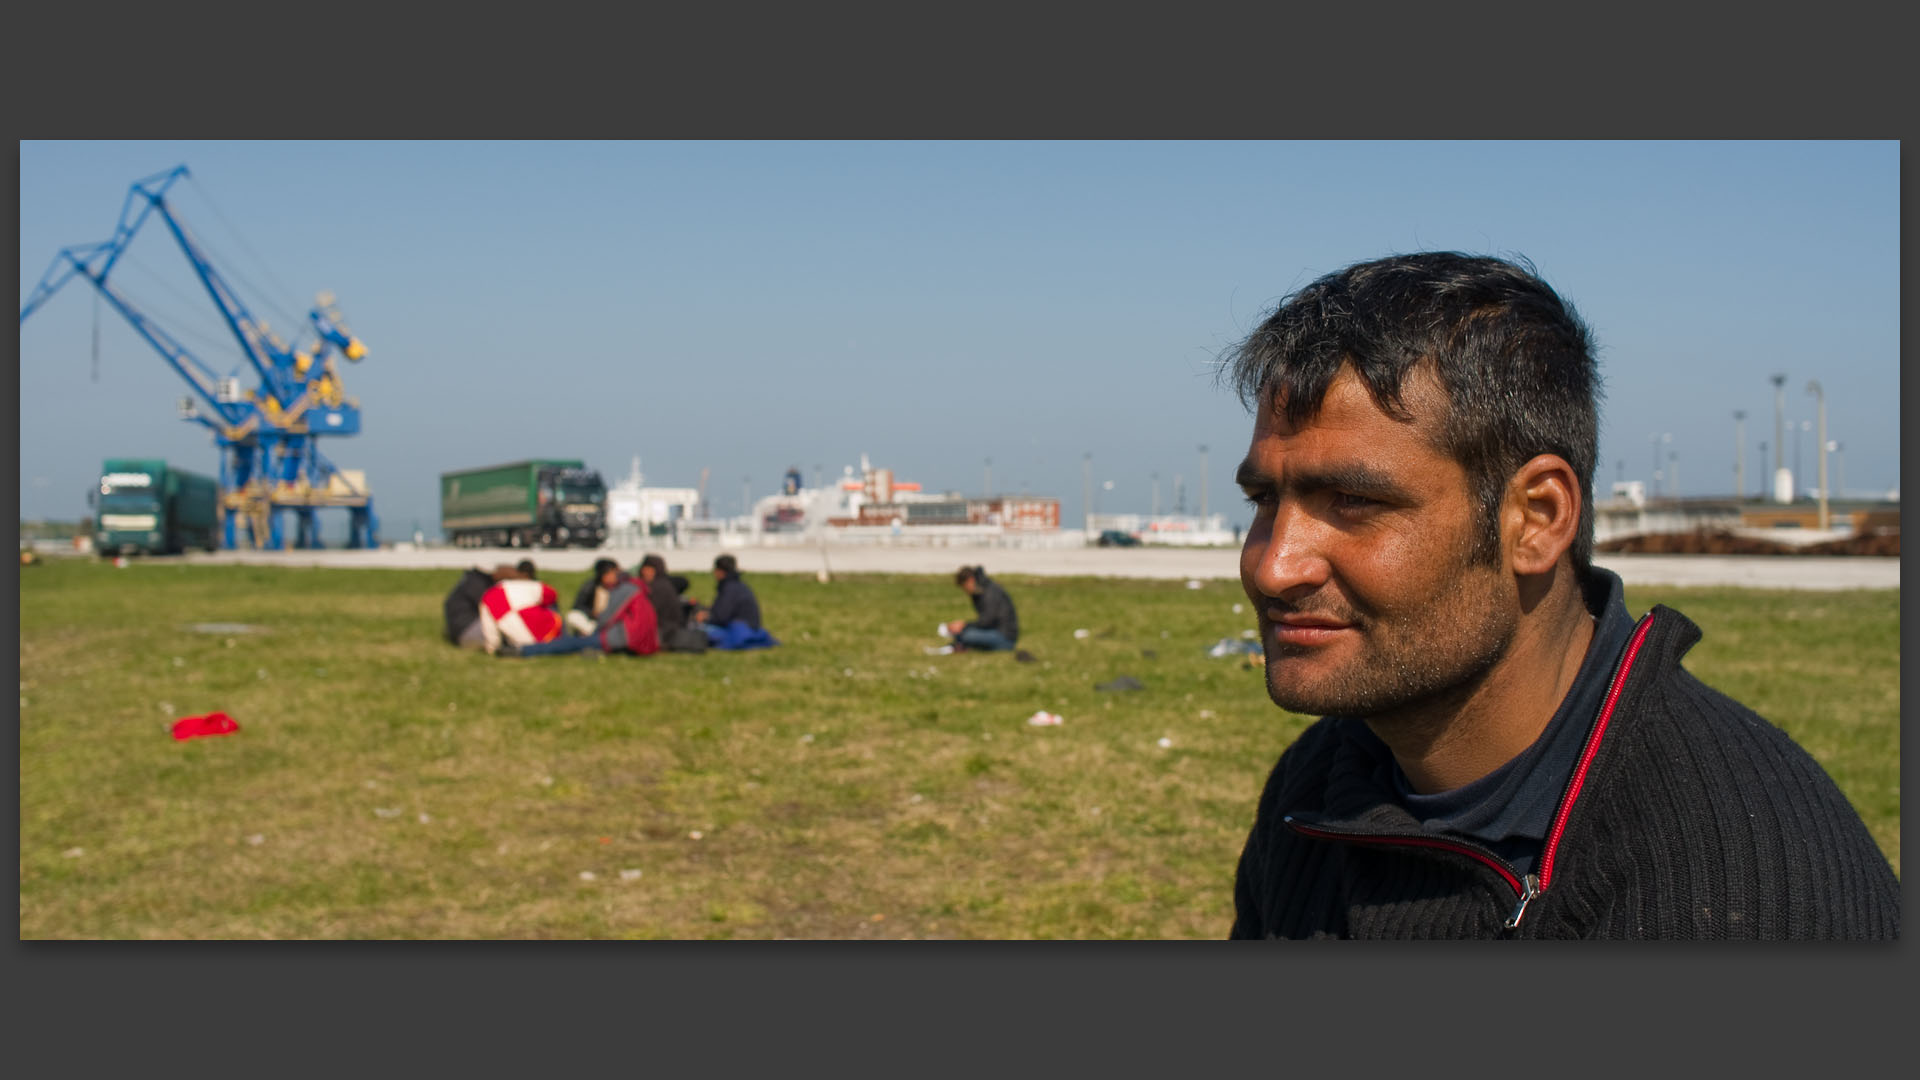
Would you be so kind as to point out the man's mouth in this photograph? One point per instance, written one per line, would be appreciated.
(1300, 629)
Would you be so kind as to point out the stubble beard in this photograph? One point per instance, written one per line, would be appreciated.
(1410, 664)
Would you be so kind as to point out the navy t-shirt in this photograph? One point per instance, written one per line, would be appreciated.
(1511, 808)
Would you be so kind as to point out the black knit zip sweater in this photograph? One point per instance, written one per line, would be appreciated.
(1689, 817)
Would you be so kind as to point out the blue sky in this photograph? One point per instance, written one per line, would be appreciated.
(745, 307)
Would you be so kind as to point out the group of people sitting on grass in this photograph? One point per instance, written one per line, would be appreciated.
(509, 612)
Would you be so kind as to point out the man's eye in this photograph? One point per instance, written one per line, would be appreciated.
(1351, 502)
(1257, 498)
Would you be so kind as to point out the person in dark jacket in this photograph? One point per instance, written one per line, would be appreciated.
(733, 622)
(995, 625)
(663, 590)
(733, 600)
(461, 610)
(1504, 752)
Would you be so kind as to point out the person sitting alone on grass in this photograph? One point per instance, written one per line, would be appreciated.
(995, 626)
(733, 621)
(591, 599)
(626, 624)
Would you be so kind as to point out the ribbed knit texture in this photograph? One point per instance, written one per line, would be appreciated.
(1697, 819)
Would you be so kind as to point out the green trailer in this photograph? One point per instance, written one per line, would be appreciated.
(547, 502)
(145, 506)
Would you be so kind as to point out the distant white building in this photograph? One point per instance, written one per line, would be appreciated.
(636, 512)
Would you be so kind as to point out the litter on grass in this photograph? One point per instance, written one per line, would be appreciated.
(1043, 718)
(1083, 633)
(193, 727)
(1165, 743)
(629, 875)
(1227, 646)
(1195, 583)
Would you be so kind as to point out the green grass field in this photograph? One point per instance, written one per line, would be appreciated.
(844, 785)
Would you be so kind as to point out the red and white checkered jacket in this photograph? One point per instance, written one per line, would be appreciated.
(519, 611)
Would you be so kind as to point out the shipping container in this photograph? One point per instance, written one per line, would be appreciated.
(145, 506)
(543, 502)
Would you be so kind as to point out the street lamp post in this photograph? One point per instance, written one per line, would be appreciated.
(1782, 481)
(1820, 400)
(1673, 463)
(1763, 465)
(1086, 490)
(1798, 429)
(1739, 454)
(1203, 484)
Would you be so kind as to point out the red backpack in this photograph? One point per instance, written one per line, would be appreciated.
(642, 625)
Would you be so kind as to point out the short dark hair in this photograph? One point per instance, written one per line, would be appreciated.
(601, 566)
(659, 564)
(963, 575)
(726, 564)
(1514, 359)
(526, 567)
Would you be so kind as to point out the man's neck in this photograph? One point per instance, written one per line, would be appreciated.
(1453, 742)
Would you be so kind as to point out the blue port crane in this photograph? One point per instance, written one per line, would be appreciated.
(268, 436)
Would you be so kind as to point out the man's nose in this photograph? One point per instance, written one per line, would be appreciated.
(1287, 558)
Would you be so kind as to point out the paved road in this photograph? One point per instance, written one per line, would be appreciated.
(1757, 571)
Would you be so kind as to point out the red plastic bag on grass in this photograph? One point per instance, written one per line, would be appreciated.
(215, 723)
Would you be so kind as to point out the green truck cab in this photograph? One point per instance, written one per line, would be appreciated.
(145, 506)
(543, 503)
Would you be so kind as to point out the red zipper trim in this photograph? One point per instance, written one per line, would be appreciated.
(1586, 756)
(1519, 888)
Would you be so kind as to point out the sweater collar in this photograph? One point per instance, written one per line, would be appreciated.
(1361, 792)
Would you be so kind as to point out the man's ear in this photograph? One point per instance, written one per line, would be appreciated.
(1542, 513)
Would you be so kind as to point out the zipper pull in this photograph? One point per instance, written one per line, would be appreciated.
(1529, 888)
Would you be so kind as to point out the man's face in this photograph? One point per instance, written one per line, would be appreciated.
(970, 586)
(610, 577)
(646, 572)
(1358, 560)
